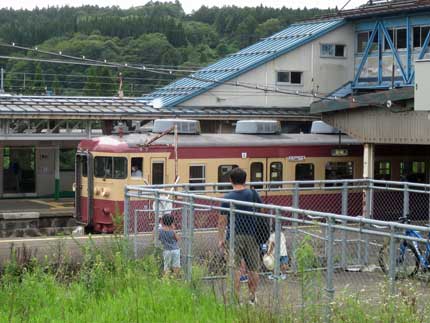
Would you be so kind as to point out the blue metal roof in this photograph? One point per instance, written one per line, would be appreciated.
(238, 63)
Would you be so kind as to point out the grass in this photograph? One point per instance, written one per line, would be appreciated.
(108, 287)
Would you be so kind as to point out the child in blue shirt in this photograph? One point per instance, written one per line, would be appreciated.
(169, 239)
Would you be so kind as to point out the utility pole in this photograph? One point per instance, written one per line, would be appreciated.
(2, 80)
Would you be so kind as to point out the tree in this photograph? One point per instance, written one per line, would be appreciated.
(92, 86)
(269, 27)
(247, 31)
(38, 84)
(56, 86)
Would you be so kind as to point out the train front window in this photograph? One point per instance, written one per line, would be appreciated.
(158, 173)
(110, 167)
(84, 165)
(305, 172)
(223, 175)
(137, 167)
(338, 171)
(197, 176)
(119, 167)
(383, 170)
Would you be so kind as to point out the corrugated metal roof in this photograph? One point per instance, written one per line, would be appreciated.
(37, 107)
(238, 63)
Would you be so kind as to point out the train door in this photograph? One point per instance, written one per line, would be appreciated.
(158, 170)
(84, 175)
(257, 171)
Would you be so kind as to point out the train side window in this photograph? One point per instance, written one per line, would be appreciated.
(197, 176)
(158, 173)
(305, 172)
(338, 171)
(276, 169)
(103, 167)
(84, 165)
(223, 175)
(119, 167)
(257, 174)
(137, 167)
(383, 170)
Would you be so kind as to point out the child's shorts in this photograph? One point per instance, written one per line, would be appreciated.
(284, 260)
(172, 259)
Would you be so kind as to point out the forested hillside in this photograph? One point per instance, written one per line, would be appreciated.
(157, 35)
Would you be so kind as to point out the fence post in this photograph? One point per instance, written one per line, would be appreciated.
(277, 270)
(126, 221)
(184, 234)
(135, 233)
(156, 217)
(406, 200)
(295, 225)
(231, 254)
(368, 215)
(344, 212)
(392, 270)
(330, 269)
(190, 238)
(126, 211)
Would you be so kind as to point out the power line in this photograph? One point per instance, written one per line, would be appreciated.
(83, 58)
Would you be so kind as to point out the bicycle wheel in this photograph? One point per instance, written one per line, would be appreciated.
(407, 261)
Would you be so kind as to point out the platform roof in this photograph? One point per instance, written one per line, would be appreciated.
(87, 108)
(243, 61)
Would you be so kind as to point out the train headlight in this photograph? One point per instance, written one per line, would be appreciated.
(105, 192)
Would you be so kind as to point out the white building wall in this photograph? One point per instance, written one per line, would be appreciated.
(320, 76)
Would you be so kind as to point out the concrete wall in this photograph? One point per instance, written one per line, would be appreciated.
(320, 75)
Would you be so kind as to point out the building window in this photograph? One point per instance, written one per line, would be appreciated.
(257, 174)
(332, 50)
(223, 175)
(289, 77)
(414, 171)
(398, 37)
(338, 171)
(197, 176)
(419, 34)
(363, 40)
(383, 170)
(137, 167)
(401, 41)
(67, 160)
(110, 167)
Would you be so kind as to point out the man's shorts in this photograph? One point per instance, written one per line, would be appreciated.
(172, 259)
(284, 260)
(247, 248)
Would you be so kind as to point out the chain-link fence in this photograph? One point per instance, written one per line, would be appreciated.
(311, 245)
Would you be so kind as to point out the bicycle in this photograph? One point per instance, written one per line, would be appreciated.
(409, 258)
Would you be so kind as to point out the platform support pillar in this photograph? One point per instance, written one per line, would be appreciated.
(368, 173)
(57, 173)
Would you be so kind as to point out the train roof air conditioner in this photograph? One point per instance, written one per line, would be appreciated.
(188, 127)
(320, 127)
(264, 127)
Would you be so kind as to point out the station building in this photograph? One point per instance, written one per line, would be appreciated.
(362, 71)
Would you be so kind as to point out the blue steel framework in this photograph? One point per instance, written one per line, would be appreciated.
(380, 28)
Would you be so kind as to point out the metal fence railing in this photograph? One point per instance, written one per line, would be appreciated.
(342, 237)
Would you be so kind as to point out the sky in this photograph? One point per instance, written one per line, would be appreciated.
(188, 5)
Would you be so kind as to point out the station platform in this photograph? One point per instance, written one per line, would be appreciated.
(37, 205)
(36, 217)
